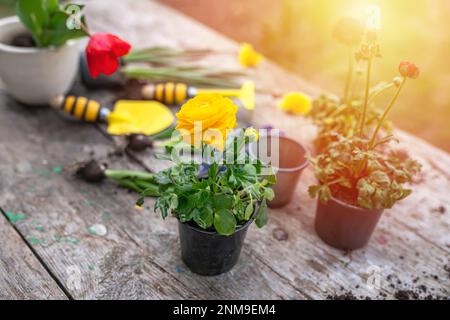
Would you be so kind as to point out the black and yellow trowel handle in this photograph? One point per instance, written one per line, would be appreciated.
(81, 108)
(168, 93)
(171, 93)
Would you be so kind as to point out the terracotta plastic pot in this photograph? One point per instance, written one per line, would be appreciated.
(344, 226)
(207, 252)
(292, 160)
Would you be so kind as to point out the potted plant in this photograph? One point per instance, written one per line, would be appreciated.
(39, 50)
(216, 198)
(344, 115)
(358, 177)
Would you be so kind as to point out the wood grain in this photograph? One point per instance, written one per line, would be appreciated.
(139, 256)
(21, 274)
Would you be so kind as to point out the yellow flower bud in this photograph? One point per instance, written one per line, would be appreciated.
(248, 57)
(296, 102)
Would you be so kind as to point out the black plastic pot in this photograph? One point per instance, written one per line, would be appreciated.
(209, 253)
(344, 226)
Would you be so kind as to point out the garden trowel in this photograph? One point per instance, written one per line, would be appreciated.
(127, 116)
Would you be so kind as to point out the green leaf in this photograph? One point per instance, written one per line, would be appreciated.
(57, 33)
(152, 190)
(272, 179)
(34, 15)
(52, 5)
(248, 211)
(224, 222)
(204, 217)
(249, 169)
(261, 216)
(47, 22)
(165, 134)
(186, 216)
(129, 184)
(140, 201)
(223, 201)
(186, 203)
(173, 203)
(269, 194)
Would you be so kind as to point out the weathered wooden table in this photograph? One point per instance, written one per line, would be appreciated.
(48, 252)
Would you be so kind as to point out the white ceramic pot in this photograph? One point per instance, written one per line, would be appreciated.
(33, 75)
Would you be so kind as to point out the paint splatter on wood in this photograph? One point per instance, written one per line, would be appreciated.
(14, 217)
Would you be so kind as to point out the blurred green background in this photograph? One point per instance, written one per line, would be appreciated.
(297, 35)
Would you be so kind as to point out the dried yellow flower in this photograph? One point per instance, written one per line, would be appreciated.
(248, 57)
(296, 102)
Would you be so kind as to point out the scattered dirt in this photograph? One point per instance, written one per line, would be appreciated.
(344, 296)
(406, 295)
(280, 234)
(139, 142)
(447, 269)
(415, 290)
(440, 209)
(402, 290)
(91, 171)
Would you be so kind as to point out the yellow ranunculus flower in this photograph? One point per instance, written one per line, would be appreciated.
(248, 57)
(296, 102)
(207, 117)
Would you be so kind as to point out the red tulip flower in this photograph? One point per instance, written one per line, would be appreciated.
(103, 53)
(408, 70)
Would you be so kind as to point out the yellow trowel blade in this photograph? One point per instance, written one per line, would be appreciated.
(248, 95)
(144, 117)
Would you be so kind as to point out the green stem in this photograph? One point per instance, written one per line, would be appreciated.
(349, 75)
(129, 174)
(366, 97)
(380, 123)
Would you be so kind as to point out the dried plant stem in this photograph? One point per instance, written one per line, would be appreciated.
(366, 96)
(386, 112)
(350, 74)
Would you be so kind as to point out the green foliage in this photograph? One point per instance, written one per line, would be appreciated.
(225, 199)
(47, 22)
(214, 196)
(369, 178)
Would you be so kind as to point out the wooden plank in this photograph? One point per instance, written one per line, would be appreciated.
(139, 256)
(412, 239)
(21, 274)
